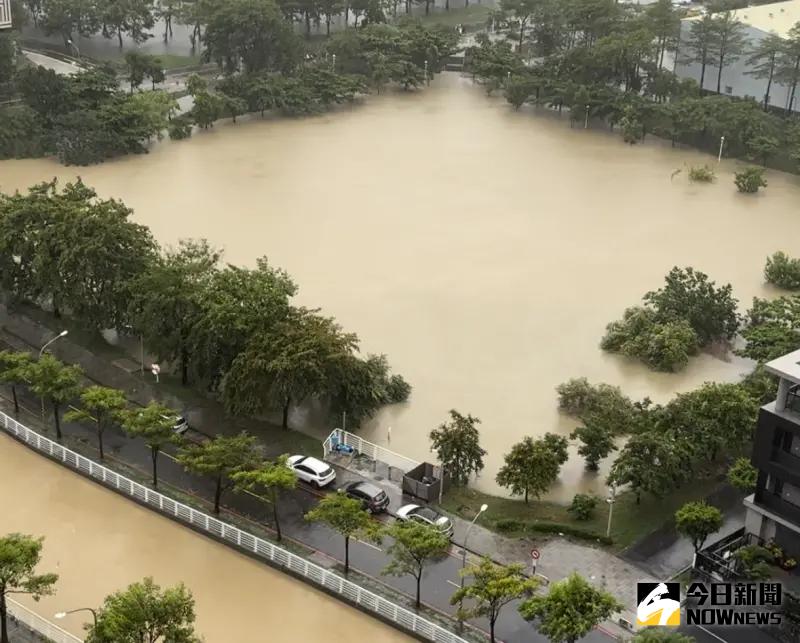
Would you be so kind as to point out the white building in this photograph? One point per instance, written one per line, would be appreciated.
(5, 14)
(759, 21)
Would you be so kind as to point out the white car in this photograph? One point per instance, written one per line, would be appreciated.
(426, 516)
(180, 424)
(311, 470)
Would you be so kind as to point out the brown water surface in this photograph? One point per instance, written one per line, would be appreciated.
(99, 542)
(483, 250)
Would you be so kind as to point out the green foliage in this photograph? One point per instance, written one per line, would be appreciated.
(632, 128)
(688, 294)
(649, 463)
(180, 127)
(750, 179)
(415, 545)
(697, 521)
(570, 610)
(491, 62)
(535, 527)
(141, 66)
(21, 133)
(597, 441)
(100, 405)
(664, 346)
(79, 252)
(702, 174)
(579, 398)
(772, 328)
(273, 478)
(491, 588)
(531, 467)
(660, 635)
(14, 371)
(583, 506)
(518, 89)
(783, 271)
(457, 446)
(754, 562)
(743, 475)
(19, 556)
(221, 458)
(54, 381)
(154, 424)
(298, 358)
(143, 612)
(346, 516)
(760, 385)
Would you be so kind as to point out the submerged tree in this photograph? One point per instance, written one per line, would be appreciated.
(457, 446)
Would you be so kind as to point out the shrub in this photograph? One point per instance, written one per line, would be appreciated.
(664, 346)
(582, 506)
(783, 271)
(743, 475)
(754, 561)
(578, 397)
(761, 385)
(701, 174)
(567, 530)
(750, 179)
(179, 128)
(397, 389)
(509, 525)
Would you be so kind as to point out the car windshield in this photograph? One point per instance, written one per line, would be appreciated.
(326, 472)
(428, 514)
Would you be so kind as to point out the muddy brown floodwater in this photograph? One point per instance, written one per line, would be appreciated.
(99, 542)
(483, 250)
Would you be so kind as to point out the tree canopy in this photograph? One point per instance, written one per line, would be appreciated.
(697, 521)
(457, 446)
(414, 546)
(532, 466)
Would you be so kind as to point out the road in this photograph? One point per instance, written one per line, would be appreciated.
(440, 579)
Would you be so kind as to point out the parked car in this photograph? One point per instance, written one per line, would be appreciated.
(372, 498)
(311, 470)
(180, 424)
(427, 516)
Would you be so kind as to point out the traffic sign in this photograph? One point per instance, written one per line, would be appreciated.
(535, 554)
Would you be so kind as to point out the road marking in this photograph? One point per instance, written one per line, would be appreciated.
(456, 585)
(370, 545)
(719, 638)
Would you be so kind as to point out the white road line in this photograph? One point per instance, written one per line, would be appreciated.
(456, 585)
(719, 638)
(370, 545)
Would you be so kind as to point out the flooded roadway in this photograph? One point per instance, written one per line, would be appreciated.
(99, 542)
(483, 250)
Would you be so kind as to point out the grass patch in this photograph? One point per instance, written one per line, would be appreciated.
(630, 521)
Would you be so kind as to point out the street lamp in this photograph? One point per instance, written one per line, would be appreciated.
(63, 333)
(75, 47)
(586, 121)
(466, 538)
(60, 615)
(612, 496)
(721, 145)
(427, 80)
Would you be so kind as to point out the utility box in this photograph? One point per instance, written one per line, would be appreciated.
(422, 482)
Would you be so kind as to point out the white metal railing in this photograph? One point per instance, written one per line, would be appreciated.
(261, 548)
(38, 624)
(370, 449)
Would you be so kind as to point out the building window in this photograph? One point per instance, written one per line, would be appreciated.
(728, 89)
(790, 494)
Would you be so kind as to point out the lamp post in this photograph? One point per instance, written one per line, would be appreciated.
(612, 496)
(63, 333)
(75, 47)
(427, 80)
(721, 145)
(586, 121)
(466, 538)
(60, 615)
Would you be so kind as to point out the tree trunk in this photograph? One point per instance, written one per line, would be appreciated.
(100, 429)
(521, 31)
(56, 311)
(58, 421)
(275, 516)
(769, 82)
(308, 26)
(427, 7)
(408, 6)
(491, 629)
(16, 402)
(702, 75)
(154, 455)
(447, 5)
(119, 36)
(346, 15)
(419, 583)
(286, 412)
(3, 616)
(719, 73)
(526, 488)
(217, 494)
(346, 554)
(184, 366)
(327, 25)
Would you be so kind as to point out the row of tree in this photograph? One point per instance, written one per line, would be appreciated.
(230, 329)
(143, 611)
(604, 60)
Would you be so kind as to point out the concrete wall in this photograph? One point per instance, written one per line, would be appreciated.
(734, 77)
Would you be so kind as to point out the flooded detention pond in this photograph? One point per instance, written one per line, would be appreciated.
(99, 543)
(484, 250)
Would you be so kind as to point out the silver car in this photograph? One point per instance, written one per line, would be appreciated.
(427, 516)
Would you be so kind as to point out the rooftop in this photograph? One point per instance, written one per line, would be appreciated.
(786, 367)
(777, 17)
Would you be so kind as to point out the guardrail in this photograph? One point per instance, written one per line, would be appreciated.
(38, 624)
(258, 547)
(369, 449)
